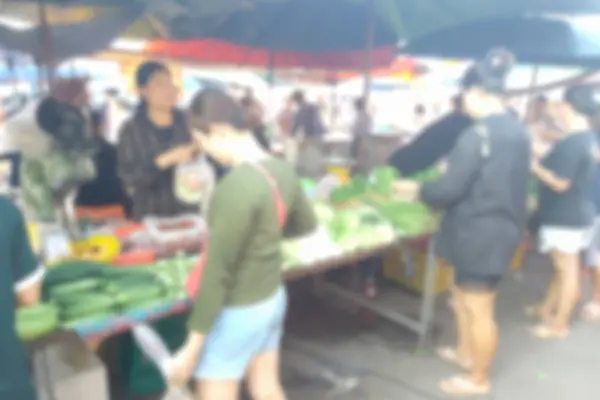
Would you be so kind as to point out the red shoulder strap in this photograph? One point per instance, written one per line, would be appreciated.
(281, 208)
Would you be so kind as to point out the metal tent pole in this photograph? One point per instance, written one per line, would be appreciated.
(46, 56)
(370, 39)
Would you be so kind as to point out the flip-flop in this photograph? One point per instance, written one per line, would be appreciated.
(462, 386)
(449, 354)
(533, 311)
(546, 332)
(591, 311)
(536, 312)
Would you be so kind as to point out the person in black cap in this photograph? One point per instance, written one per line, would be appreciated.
(152, 144)
(483, 195)
(566, 207)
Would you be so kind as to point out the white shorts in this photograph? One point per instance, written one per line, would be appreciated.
(565, 240)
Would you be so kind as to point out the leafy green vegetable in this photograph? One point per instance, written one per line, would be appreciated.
(381, 179)
(427, 175)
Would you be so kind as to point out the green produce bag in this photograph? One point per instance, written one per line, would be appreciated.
(140, 376)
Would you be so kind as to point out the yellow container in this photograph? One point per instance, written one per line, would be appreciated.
(407, 267)
(340, 172)
(35, 239)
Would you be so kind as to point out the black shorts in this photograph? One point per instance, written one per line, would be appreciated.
(476, 282)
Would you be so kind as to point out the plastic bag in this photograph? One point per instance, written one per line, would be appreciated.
(194, 182)
(156, 350)
(174, 393)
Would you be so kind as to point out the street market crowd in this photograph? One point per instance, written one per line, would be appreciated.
(491, 158)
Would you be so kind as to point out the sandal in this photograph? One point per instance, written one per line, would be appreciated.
(449, 354)
(548, 333)
(462, 386)
(538, 312)
(591, 311)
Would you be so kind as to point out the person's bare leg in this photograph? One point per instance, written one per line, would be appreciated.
(484, 333)
(596, 280)
(263, 377)
(217, 390)
(567, 266)
(464, 342)
(547, 309)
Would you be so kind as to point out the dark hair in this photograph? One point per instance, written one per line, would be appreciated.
(143, 74)
(146, 71)
(360, 104)
(584, 98)
(490, 74)
(420, 109)
(457, 102)
(298, 96)
(214, 106)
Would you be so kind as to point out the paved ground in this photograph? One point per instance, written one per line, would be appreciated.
(390, 368)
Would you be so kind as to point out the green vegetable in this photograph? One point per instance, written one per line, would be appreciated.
(343, 195)
(409, 218)
(85, 305)
(36, 322)
(90, 318)
(359, 184)
(144, 304)
(69, 271)
(427, 175)
(381, 179)
(78, 286)
(133, 295)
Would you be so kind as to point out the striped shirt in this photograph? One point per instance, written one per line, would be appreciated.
(150, 188)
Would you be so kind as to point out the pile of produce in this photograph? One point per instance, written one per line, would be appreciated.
(362, 214)
(407, 218)
(84, 291)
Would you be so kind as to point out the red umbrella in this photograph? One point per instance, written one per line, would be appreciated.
(212, 51)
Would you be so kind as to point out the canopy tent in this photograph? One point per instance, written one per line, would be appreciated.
(211, 51)
(409, 18)
(535, 40)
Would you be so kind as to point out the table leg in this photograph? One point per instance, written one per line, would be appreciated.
(428, 302)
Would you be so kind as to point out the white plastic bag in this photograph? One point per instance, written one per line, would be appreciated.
(174, 393)
(157, 351)
(194, 181)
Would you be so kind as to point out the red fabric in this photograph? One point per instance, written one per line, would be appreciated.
(211, 51)
(195, 278)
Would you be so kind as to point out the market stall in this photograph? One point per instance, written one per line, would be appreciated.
(124, 274)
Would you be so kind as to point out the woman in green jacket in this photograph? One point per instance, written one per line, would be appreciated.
(236, 324)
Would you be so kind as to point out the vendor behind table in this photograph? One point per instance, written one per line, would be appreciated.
(152, 143)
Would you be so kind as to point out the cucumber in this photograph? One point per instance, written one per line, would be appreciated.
(79, 286)
(78, 321)
(88, 304)
(143, 304)
(69, 271)
(41, 310)
(140, 293)
(36, 322)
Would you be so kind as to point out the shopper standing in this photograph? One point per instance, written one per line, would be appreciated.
(566, 207)
(483, 195)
